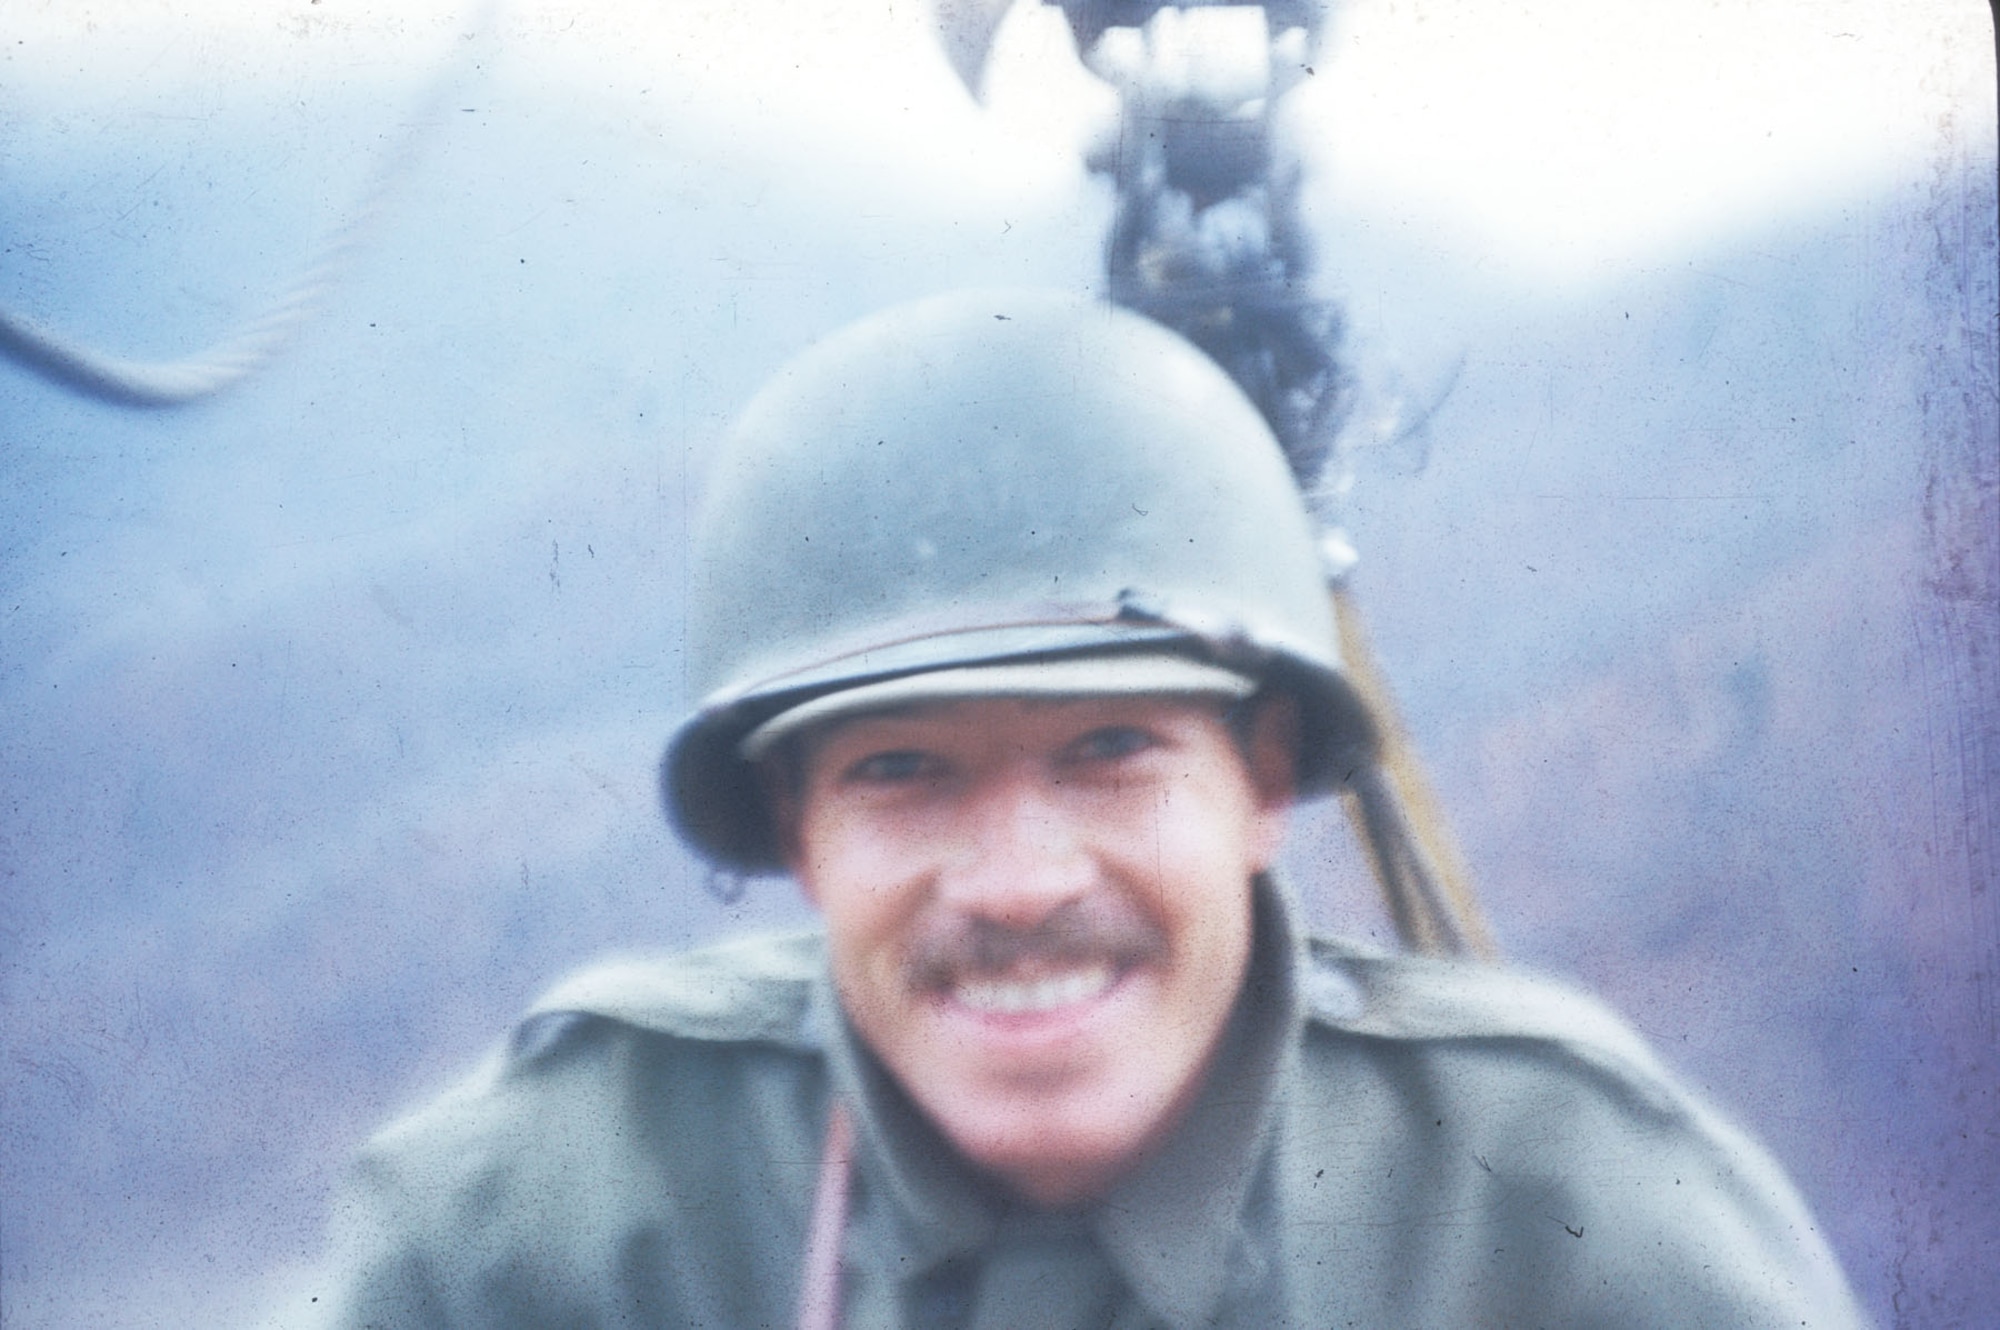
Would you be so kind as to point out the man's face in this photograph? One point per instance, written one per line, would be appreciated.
(1040, 912)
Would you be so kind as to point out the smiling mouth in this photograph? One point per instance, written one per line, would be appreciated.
(1045, 992)
(1079, 952)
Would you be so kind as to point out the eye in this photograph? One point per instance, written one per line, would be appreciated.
(897, 766)
(1112, 743)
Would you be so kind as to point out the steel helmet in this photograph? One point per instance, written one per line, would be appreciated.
(982, 478)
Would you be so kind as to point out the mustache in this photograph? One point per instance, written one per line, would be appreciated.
(1090, 930)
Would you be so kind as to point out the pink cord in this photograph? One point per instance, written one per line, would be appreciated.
(819, 1296)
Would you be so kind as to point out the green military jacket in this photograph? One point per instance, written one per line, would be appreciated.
(1385, 1141)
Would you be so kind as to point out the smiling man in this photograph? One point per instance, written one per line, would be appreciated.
(1021, 893)
(1014, 652)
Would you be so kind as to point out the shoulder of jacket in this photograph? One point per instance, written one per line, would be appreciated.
(757, 989)
(751, 991)
(1425, 1000)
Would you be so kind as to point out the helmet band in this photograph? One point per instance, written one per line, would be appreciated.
(1124, 675)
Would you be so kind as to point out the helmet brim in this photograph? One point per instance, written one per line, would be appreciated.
(715, 797)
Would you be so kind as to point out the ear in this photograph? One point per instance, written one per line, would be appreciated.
(1271, 758)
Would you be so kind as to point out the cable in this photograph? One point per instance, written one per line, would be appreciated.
(166, 383)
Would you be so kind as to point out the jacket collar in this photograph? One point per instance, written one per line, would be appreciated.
(1173, 1229)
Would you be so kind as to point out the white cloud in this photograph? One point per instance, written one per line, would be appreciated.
(1565, 135)
(1552, 135)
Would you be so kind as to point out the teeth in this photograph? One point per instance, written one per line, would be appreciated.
(1012, 997)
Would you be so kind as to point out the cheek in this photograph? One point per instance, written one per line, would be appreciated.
(1198, 857)
(860, 887)
(1218, 830)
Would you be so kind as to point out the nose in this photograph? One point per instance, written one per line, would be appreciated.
(1017, 853)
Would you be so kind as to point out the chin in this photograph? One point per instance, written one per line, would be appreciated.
(1059, 1150)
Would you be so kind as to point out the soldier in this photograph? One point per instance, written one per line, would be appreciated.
(1015, 651)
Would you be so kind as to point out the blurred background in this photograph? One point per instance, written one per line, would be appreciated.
(333, 702)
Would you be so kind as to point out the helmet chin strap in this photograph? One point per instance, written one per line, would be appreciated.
(819, 1286)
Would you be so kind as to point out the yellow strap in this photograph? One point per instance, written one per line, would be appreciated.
(1422, 816)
